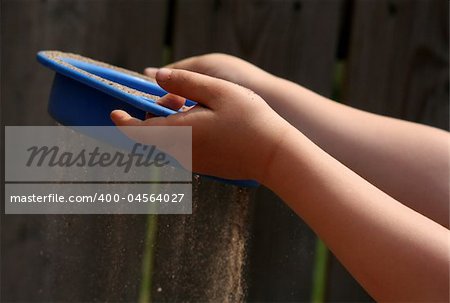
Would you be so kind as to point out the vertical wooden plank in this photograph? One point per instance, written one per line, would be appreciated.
(71, 258)
(295, 39)
(398, 66)
(399, 60)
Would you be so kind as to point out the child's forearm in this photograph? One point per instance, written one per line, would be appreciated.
(394, 252)
(408, 161)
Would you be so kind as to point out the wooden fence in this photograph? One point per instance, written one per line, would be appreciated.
(385, 56)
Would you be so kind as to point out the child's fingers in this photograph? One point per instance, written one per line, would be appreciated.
(187, 64)
(172, 101)
(169, 101)
(201, 88)
(151, 72)
(122, 118)
(165, 139)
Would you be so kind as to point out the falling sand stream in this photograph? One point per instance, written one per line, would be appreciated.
(201, 257)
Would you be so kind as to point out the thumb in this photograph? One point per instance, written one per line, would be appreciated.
(204, 89)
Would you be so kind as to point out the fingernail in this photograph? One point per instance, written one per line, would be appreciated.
(163, 74)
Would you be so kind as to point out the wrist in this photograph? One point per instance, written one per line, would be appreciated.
(286, 159)
(274, 144)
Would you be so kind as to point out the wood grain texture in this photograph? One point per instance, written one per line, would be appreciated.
(399, 57)
(118, 32)
(71, 258)
(293, 39)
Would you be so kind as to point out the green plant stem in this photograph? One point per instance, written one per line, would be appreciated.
(147, 260)
(320, 273)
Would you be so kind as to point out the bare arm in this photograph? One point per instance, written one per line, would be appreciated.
(408, 161)
(394, 252)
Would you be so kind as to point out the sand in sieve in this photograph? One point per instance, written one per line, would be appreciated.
(58, 56)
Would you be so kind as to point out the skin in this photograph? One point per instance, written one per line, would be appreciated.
(398, 251)
(392, 154)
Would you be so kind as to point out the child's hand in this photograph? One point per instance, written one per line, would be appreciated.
(235, 132)
(222, 66)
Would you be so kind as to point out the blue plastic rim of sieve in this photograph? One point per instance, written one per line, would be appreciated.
(78, 99)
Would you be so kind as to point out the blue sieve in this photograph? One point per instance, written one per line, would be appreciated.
(84, 92)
